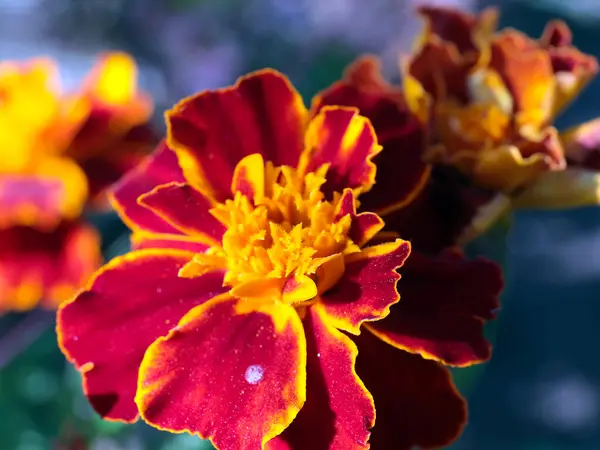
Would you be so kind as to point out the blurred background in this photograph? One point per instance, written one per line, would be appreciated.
(541, 391)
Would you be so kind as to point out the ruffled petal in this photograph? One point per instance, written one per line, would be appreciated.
(444, 304)
(45, 266)
(441, 70)
(416, 401)
(339, 411)
(229, 372)
(160, 168)
(526, 69)
(573, 69)
(212, 131)
(507, 167)
(458, 27)
(401, 172)
(364, 226)
(186, 209)
(368, 287)
(131, 301)
(340, 137)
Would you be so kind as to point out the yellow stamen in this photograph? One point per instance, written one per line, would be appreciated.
(282, 242)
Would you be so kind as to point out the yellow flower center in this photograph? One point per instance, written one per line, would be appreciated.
(287, 242)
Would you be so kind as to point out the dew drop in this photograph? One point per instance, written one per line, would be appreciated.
(254, 374)
(159, 290)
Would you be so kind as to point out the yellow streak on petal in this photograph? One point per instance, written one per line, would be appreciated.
(250, 170)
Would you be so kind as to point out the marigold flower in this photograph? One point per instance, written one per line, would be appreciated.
(250, 256)
(46, 251)
(442, 311)
(492, 96)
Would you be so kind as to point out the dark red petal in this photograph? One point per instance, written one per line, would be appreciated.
(106, 329)
(451, 25)
(340, 137)
(441, 70)
(228, 372)
(364, 225)
(556, 34)
(444, 302)
(440, 213)
(339, 411)
(417, 404)
(368, 287)
(159, 168)
(401, 172)
(109, 165)
(262, 113)
(186, 209)
(45, 266)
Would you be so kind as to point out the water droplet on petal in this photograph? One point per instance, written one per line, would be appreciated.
(254, 374)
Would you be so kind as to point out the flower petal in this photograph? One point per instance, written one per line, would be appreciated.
(507, 167)
(141, 240)
(416, 401)
(572, 69)
(186, 209)
(54, 189)
(228, 372)
(212, 131)
(112, 163)
(368, 287)
(401, 172)
(364, 226)
(340, 137)
(159, 168)
(444, 303)
(526, 69)
(30, 201)
(47, 266)
(441, 70)
(131, 301)
(249, 177)
(582, 144)
(457, 27)
(440, 213)
(339, 411)
(571, 188)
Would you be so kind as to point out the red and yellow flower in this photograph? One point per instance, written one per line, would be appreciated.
(47, 252)
(258, 306)
(490, 98)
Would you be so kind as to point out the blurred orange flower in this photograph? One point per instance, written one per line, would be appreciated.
(490, 97)
(59, 151)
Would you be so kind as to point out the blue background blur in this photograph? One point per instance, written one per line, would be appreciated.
(541, 391)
